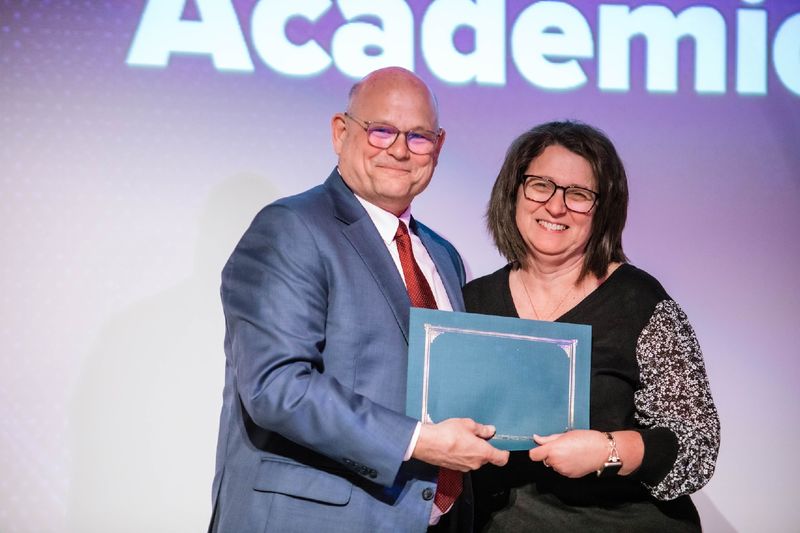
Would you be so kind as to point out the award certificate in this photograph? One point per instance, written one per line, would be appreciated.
(522, 376)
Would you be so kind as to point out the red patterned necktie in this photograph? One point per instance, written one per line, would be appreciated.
(450, 482)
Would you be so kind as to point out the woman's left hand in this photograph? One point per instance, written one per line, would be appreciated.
(583, 451)
(571, 454)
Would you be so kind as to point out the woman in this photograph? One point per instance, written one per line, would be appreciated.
(557, 213)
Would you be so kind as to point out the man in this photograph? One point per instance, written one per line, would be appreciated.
(312, 433)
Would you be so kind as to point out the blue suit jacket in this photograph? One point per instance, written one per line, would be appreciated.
(312, 431)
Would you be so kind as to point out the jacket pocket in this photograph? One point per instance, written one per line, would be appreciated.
(300, 481)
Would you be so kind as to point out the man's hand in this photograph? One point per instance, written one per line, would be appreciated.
(458, 444)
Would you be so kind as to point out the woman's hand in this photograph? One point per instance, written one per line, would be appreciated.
(571, 454)
(583, 451)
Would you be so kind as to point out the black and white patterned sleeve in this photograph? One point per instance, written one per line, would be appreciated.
(675, 395)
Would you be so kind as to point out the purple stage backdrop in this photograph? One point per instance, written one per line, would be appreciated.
(138, 139)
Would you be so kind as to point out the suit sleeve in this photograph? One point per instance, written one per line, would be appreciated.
(274, 292)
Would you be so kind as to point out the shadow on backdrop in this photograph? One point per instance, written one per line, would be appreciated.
(713, 521)
(146, 409)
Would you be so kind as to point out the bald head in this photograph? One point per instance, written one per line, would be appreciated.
(391, 78)
(389, 177)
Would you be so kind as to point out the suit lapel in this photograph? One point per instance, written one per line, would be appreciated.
(364, 237)
(451, 278)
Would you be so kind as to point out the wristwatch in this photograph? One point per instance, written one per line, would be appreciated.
(613, 463)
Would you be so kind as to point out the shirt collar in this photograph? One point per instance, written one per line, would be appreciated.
(384, 221)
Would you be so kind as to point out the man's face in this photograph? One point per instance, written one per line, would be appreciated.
(387, 177)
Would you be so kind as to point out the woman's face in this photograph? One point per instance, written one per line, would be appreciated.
(553, 233)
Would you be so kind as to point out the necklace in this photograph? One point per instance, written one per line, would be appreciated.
(533, 307)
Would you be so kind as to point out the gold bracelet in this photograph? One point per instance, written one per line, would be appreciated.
(613, 464)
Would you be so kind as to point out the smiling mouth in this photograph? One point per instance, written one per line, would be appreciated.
(551, 226)
(394, 170)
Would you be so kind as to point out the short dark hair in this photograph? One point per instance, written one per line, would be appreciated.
(611, 210)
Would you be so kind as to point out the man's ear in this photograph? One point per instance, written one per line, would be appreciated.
(338, 132)
(439, 144)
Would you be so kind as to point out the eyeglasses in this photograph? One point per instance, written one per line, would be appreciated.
(540, 189)
(380, 135)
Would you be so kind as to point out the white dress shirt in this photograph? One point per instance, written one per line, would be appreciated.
(386, 223)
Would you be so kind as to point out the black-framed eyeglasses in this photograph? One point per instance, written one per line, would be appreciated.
(540, 189)
(380, 135)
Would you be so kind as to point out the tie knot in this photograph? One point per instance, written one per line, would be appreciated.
(402, 230)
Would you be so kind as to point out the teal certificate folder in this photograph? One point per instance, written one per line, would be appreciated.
(522, 376)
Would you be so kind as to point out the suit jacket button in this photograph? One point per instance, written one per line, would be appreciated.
(427, 494)
(372, 473)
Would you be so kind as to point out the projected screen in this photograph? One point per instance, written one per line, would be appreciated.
(139, 139)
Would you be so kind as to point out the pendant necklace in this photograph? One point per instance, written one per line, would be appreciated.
(530, 301)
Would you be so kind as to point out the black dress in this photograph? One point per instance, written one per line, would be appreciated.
(647, 375)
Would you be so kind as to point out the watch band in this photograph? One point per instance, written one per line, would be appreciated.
(613, 464)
